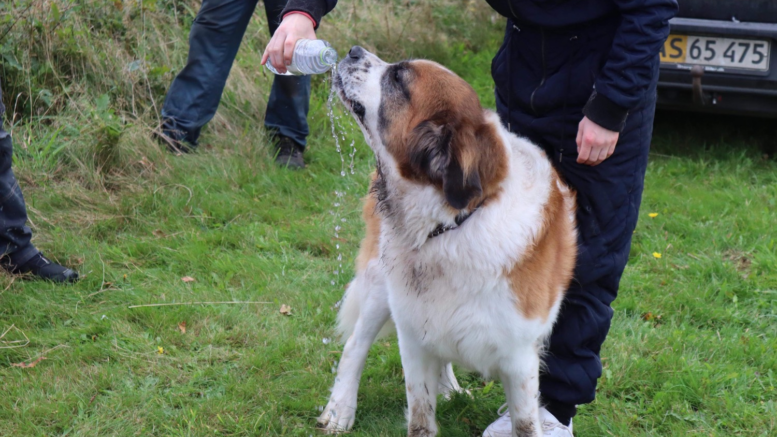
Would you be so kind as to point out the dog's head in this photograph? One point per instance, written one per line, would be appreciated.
(426, 123)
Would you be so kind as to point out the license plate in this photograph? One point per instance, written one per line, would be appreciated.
(712, 51)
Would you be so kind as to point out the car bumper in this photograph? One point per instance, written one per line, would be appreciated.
(735, 92)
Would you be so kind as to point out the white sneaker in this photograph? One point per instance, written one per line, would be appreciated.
(551, 427)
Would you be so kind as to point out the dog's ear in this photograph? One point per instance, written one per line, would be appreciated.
(462, 182)
(428, 147)
(433, 152)
(460, 186)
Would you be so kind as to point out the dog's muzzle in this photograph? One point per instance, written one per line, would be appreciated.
(345, 69)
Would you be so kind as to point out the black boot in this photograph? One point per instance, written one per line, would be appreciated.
(173, 142)
(41, 267)
(288, 153)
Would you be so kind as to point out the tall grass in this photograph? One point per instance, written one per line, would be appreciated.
(95, 72)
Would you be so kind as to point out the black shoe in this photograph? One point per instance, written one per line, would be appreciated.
(173, 144)
(42, 268)
(288, 153)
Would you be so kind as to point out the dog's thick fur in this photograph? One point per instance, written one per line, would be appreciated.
(484, 293)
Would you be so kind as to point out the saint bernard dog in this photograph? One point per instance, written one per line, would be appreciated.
(470, 243)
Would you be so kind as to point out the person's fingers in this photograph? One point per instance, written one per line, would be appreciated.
(601, 155)
(579, 139)
(265, 55)
(593, 157)
(611, 149)
(288, 49)
(276, 51)
(584, 151)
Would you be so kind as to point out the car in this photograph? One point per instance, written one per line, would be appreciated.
(721, 56)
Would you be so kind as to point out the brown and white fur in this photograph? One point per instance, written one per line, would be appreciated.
(484, 294)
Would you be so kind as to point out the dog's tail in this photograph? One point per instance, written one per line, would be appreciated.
(351, 307)
(349, 311)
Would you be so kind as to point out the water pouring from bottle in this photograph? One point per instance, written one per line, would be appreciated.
(317, 57)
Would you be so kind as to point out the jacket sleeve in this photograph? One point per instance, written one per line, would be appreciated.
(633, 61)
(315, 8)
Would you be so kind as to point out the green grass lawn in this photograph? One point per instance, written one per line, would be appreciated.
(690, 352)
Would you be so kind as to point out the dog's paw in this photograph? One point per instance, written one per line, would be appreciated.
(337, 418)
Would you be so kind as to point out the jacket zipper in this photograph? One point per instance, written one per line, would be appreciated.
(544, 72)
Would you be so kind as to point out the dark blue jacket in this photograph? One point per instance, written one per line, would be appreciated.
(631, 65)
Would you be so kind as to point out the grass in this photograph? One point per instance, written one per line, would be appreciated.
(690, 352)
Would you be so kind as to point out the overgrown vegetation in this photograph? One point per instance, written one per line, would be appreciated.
(691, 347)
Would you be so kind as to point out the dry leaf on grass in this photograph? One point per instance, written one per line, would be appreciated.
(27, 366)
(182, 327)
(187, 279)
(159, 233)
(285, 310)
(650, 317)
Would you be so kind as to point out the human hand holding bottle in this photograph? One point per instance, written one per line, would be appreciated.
(280, 49)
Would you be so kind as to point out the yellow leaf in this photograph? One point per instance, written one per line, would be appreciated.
(653, 215)
(656, 255)
(160, 350)
(182, 327)
(285, 310)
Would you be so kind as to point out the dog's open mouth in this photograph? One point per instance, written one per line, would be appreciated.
(354, 106)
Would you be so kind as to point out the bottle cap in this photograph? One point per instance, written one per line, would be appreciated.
(328, 56)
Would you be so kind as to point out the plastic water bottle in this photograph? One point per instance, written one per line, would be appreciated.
(311, 56)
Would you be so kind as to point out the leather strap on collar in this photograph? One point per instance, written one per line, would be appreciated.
(441, 228)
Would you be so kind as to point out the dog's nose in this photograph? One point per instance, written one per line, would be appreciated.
(356, 53)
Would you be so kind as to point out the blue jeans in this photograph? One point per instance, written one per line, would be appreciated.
(14, 234)
(214, 39)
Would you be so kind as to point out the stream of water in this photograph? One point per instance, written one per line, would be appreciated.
(339, 135)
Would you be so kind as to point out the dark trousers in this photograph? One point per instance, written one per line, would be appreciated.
(541, 96)
(214, 39)
(14, 234)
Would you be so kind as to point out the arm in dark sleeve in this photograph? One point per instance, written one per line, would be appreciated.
(315, 8)
(633, 61)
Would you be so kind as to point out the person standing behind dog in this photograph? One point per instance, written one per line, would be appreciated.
(17, 253)
(578, 78)
(195, 93)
